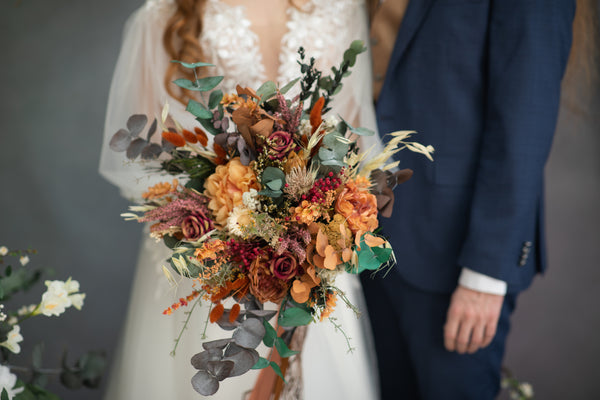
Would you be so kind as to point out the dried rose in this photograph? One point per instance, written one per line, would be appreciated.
(196, 225)
(280, 143)
(263, 284)
(284, 266)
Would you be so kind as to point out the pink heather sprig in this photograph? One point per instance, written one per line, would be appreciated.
(174, 213)
(295, 241)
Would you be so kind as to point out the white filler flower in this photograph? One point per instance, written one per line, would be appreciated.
(60, 296)
(3, 251)
(13, 340)
(8, 381)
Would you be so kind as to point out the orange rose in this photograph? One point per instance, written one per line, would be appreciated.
(358, 206)
(226, 186)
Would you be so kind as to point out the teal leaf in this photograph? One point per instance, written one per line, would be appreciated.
(270, 193)
(193, 65)
(358, 46)
(277, 370)
(207, 124)
(383, 254)
(271, 174)
(282, 348)
(215, 98)
(275, 184)
(288, 86)
(295, 316)
(200, 85)
(359, 131)
(261, 363)
(266, 91)
(270, 334)
(198, 110)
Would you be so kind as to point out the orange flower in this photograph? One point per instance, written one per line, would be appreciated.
(330, 302)
(226, 186)
(160, 190)
(263, 284)
(301, 288)
(293, 161)
(174, 138)
(235, 311)
(217, 313)
(306, 212)
(358, 206)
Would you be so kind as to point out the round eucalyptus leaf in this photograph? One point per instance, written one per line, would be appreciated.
(249, 334)
(152, 129)
(151, 151)
(205, 384)
(70, 379)
(120, 141)
(243, 360)
(135, 148)
(200, 361)
(225, 324)
(216, 344)
(220, 369)
(136, 123)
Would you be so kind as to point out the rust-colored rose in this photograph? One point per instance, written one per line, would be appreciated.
(195, 225)
(284, 266)
(226, 186)
(264, 285)
(280, 143)
(358, 206)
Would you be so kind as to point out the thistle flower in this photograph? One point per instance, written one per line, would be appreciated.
(299, 181)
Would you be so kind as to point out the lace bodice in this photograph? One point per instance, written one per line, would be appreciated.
(322, 27)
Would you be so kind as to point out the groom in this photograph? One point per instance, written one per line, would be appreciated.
(480, 81)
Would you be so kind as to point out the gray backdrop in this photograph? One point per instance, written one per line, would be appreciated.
(58, 57)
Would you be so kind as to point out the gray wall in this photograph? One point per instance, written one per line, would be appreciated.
(58, 57)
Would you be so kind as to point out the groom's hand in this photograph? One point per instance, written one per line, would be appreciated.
(471, 321)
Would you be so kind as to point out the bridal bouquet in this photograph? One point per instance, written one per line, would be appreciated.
(279, 203)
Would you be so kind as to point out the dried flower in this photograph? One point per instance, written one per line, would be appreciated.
(358, 205)
(299, 181)
(280, 143)
(160, 190)
(226, 186)
(196, 225)
(284, 266)
(263, 284)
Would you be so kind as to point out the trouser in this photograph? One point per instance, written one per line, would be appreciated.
(413, 363)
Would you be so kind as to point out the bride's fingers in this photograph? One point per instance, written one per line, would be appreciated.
(477, 338)
(464, 336)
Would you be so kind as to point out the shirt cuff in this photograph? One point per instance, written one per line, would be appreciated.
(482, 283)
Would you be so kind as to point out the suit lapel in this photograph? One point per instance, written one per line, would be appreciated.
(415, 13)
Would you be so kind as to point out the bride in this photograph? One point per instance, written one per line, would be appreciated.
(250, 42)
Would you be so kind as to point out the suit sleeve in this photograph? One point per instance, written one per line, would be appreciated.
(528, 46)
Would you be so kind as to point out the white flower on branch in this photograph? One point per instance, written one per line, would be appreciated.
(13, 340)
(8, 381)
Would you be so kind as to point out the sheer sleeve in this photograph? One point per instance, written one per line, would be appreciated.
(137, 88)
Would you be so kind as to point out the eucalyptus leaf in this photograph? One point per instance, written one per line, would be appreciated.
(208, 125)
(367, 259)
(135, 148)
(92, 365)
(277, 370)
(205, 384)
(220, 369)
(120, 141)
(200, 360)
(266, 314)
(218, 344)
(261, 363)
(271, 193)
(288, 86)
(270, 334)
(208, 83)
(193, 65)
(36, 355)
(151, 151)
(215, 98)
(136, 123)
(243, 361)
(275, 184)
(294, 316)
(152, 129)
(272, 173)
(283, 349)
(70, 379)
(249, 334)
(383, 254)
(198, 110)
(170, 241)
(266, 91)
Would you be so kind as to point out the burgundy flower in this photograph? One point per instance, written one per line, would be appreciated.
(284, 267)
(263, 284)
(281, 143)
(195, 225)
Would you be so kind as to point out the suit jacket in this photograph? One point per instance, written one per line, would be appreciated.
(480, 81)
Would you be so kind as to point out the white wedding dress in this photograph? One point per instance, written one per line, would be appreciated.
(143, 368)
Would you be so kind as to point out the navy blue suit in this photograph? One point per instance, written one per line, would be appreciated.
(480, 81)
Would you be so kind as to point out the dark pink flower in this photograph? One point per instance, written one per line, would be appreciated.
(284, 266)
(195, 225)
(280, 143)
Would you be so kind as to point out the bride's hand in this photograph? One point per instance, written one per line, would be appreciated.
(471, 321)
